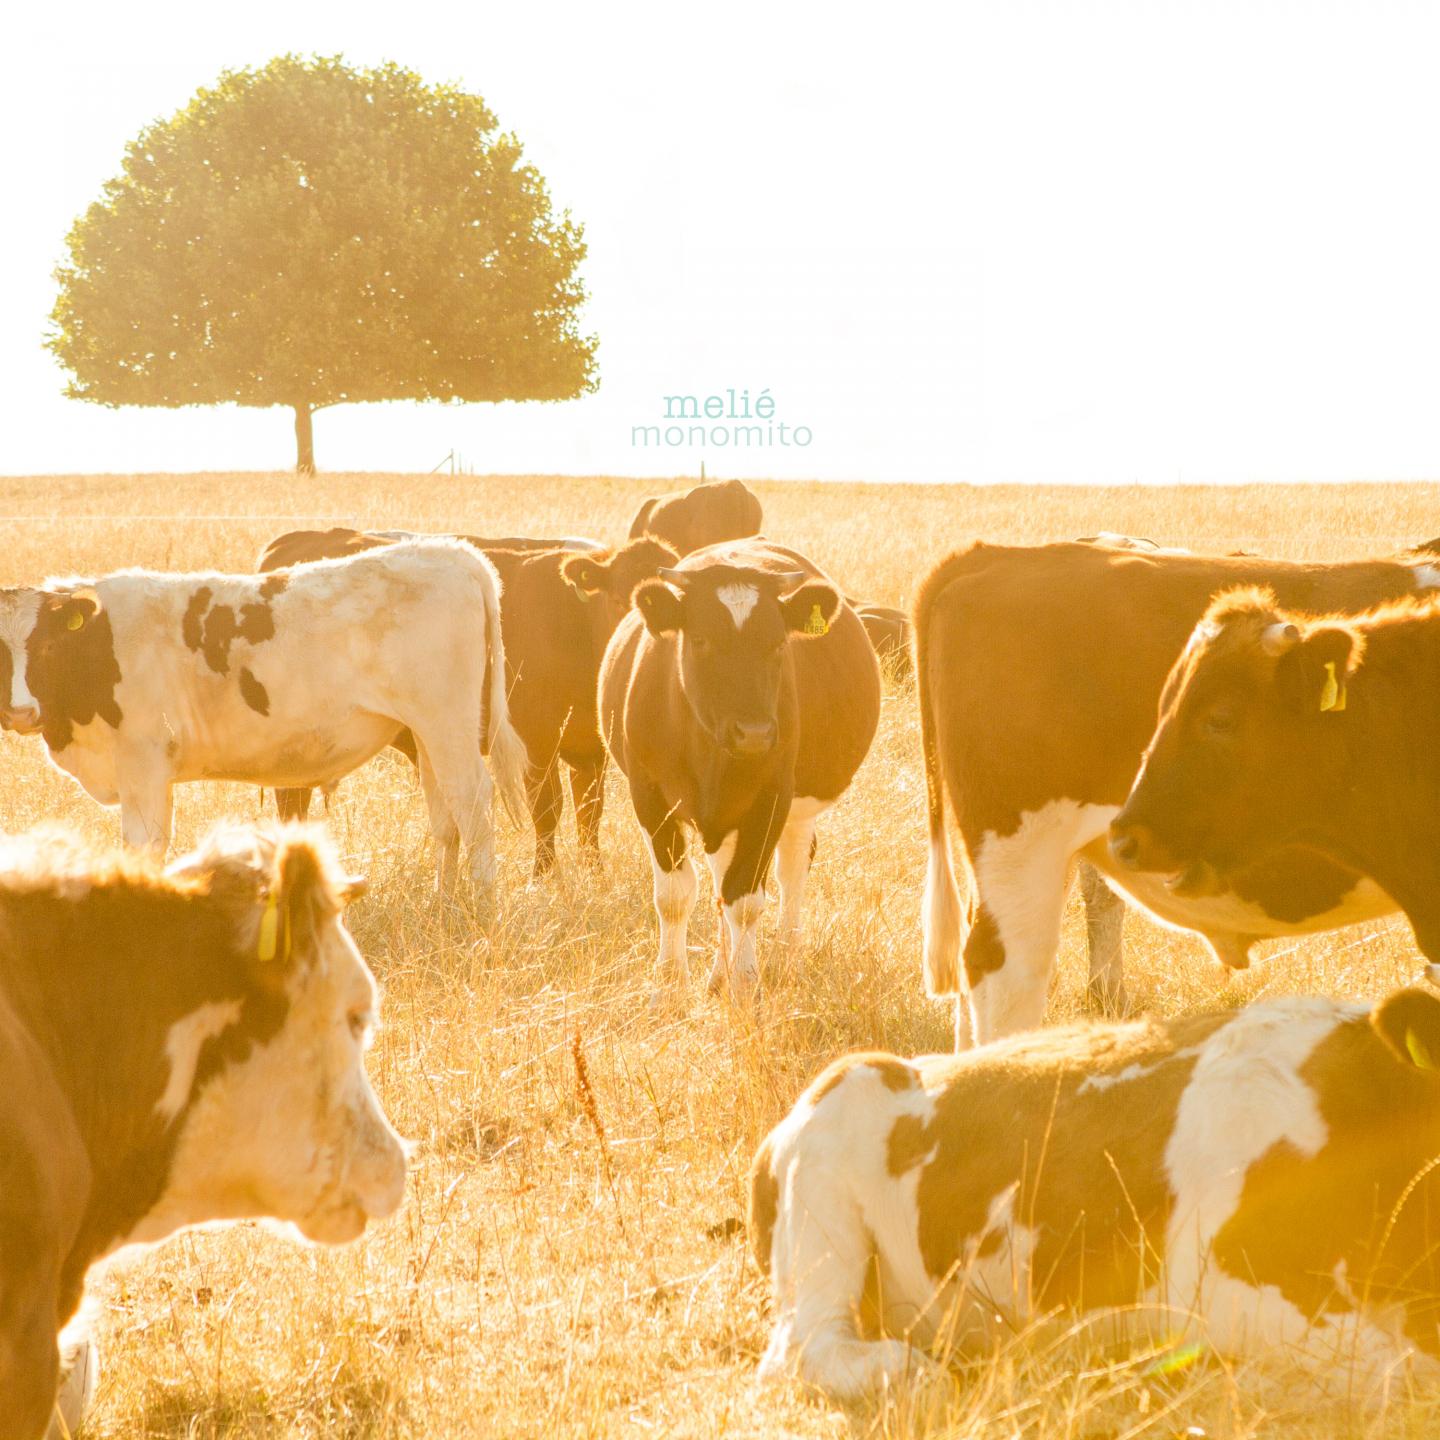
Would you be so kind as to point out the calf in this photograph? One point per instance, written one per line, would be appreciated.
(1038, 674)
(1261, 1180)
(687, 520)
(141, 680)
(1279, 730)
(738, 699)
(555, 622)
(176, 1048)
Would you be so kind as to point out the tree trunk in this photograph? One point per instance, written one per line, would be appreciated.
(304, 441)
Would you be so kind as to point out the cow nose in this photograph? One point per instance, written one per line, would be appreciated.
(23, 719)
(752, 738)
(1128, 844)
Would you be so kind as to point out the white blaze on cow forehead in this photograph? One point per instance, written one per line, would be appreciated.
(182, 1048)
(739, 599)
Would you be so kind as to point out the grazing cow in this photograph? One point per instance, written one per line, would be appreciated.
(1257, 1181)
(176, 1048)
(141, 680)
(1039, 672)
(299, 547)
(557, 611)
(1279, 730)
(739, 698)
(889, 632)
(687, 520)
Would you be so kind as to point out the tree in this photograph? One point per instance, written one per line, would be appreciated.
(309, 234)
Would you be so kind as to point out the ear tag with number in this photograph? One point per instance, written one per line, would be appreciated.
(1332, 693)
(817, 624)
(1419, 1051)
(268, 944)
(75, 621)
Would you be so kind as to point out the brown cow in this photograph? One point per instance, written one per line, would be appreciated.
(1039, 672)
(1260, 1182)
(176, 1048)
(1279, 729)
(687, 520)
(739, 699)
(555, 629)
(889, 632)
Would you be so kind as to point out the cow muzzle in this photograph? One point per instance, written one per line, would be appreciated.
(744, 737)
(22, 719)
(1134, 846)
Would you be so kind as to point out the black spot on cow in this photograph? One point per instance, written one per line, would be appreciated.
(71, 667)
(212, 629)
(253, 692)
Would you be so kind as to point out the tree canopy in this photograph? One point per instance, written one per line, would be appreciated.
(308, 234)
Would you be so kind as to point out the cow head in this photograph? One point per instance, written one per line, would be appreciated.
(280, 1120)
(1249, 743)
(46, 638)
(609, 579)
(732, 626)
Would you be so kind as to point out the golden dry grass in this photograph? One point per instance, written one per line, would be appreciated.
(533, 1284)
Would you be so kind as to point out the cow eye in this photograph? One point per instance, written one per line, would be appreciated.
(1221, 722)
(360, 1022)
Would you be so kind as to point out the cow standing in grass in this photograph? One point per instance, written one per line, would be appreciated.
(707, 514)
(1280, 730)
(141, 680)
(1039, 671)
(738, 699)
(555, 623)
(176, 1048)
(1261, 1182)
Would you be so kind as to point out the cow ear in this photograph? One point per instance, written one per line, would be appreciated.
(810, 609)
(300, 901)
(1409, 1023)
(584, 574)
(660, 607)
(1314, 675)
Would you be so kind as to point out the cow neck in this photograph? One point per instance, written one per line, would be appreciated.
(98, 982)
(1384, 817)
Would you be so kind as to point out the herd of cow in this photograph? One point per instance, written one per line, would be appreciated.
(1255, 1179)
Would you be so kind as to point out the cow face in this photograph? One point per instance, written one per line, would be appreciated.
(1247, 744)
(290, 1128)
(610, 580)
(732, 626)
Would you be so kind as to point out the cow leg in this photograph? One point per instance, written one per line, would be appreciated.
(793, 854)
(293, 802)
(587, 789)
(29, 1353)
(547, 802)
(674, 895)
(1104, 931)
(739, 865)
(442, 826)
(145, 802)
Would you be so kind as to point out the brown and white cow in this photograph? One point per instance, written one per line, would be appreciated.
(1261, 1182)
(1039, 672)
(555, 623)
(708, 514)
(141, 680)
(176, 1048)
(738, 700)
(1279, 730)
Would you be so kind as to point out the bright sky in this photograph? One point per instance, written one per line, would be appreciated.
(1092, 240)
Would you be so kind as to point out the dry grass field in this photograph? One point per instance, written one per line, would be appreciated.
(571, 1265)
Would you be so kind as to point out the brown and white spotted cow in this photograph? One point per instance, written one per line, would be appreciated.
(709, 514)
(1279, 729)
(176, 1048)
(1260, 1182)
(1039, 673)
(738, 700)
(556, 622)
(141, 680)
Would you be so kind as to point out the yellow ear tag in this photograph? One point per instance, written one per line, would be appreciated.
(817, 624)
(1332, 693)
(75, 621)
(269, 930)
(1419, 1051)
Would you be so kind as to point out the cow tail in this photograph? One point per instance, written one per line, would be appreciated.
(942, 918)
(499, 741)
